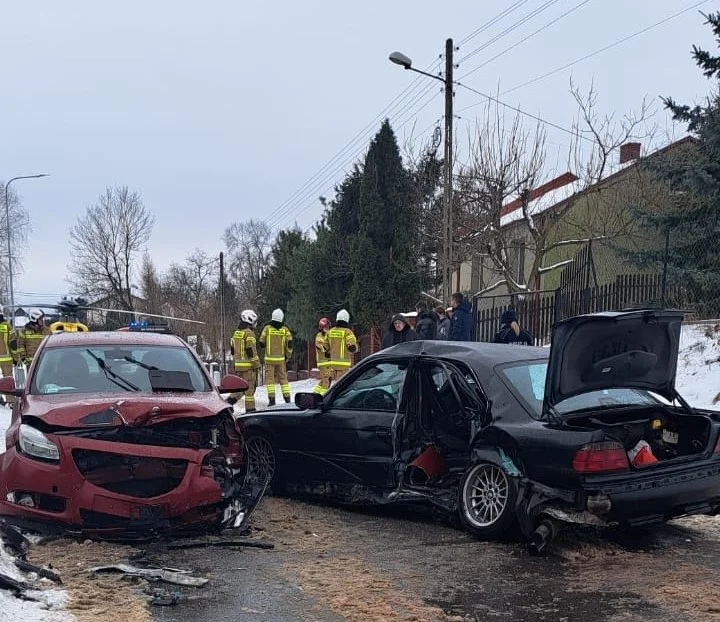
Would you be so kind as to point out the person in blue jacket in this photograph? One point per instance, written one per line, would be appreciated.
(460, 322)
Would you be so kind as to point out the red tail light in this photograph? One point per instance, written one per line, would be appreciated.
(600, 457)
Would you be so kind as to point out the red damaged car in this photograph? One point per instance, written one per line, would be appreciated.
(123, 432)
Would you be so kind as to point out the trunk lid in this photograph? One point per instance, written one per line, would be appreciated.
(615, 350)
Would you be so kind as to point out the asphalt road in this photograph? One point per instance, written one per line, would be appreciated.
(331, 564)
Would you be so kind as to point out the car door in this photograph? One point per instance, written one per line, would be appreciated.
(350, 438)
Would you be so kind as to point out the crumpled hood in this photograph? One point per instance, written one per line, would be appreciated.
(75, 411)
(633, 350)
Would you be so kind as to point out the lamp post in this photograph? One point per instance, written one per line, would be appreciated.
(447, 251)
(9, 242)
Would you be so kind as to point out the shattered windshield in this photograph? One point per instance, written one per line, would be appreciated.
(528, 380)
(114, 369)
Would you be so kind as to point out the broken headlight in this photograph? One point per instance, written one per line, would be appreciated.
(35, 444)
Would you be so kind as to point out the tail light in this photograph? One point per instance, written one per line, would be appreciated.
(717, 446)
(600, 457)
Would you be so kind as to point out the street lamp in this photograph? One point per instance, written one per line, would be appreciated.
(447, 252)
(9, 243)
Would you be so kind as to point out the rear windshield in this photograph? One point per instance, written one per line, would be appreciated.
(80, 369)
(527, 380)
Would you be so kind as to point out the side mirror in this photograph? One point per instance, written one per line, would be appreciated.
(232, 384)
(7, 387)
(308, 401)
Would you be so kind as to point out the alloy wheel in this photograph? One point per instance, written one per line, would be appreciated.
(485, 495)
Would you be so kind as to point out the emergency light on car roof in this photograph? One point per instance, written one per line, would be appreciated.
(147, 327)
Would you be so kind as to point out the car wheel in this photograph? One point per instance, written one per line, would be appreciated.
(487, 500)
(259, 459)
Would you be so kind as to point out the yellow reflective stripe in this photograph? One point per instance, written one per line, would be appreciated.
(341, 364)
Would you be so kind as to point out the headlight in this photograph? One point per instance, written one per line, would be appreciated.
(34, 443)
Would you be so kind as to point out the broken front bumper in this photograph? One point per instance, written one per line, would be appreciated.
(102, 486)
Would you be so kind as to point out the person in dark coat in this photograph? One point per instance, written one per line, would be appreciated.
(426, 325)
(510, 331)
(443, 328)
(460, 321)
(399, 331)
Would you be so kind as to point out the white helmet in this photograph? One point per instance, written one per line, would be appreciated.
(343, 316)
(278, 315)
(36, 315)
(249, 317)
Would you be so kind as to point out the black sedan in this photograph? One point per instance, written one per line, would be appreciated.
(589, 431)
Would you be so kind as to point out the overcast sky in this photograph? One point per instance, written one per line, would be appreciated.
(220, 111)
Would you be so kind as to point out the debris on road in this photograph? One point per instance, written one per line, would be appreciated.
(168, 575)
(231, 542)
(45, 573)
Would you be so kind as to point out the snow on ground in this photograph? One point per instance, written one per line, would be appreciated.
(698, 370)
(261, 394)
(50, 603)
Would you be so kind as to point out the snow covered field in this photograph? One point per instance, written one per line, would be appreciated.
(698, 380)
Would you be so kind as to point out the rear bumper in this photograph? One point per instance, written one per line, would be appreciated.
(634, 499)
(653, 498)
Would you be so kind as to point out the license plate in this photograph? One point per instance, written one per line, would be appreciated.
(670, 437)
(144, 512)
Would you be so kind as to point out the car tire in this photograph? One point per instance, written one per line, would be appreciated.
(260, 460)
(486, 501)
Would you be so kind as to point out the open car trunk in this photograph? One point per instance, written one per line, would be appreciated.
(661, 433)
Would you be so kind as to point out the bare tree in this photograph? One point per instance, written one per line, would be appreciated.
(249, 247)
(150, 285)
(20, 227)
(508, 163)
(105, 242)
(505, 160)
(189, 292)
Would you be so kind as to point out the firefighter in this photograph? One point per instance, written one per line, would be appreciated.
(322, 351)
(343, 345)
(247, 362)
(6, 359)
(24, 345)
(276, 342)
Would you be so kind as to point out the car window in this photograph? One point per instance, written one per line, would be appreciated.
(528, 380)
(378, 387)
(78, 370)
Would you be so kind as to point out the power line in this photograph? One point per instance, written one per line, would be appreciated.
(528, 37)
(508, 30)
(309, 199)
(334, 167)
(359, 137)
(492, 22)
(523, 112)
(288, 207)
(595, 53)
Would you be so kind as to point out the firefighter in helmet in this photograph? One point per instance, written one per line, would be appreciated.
(6, 360)
(24, 346)
(276, 342)
(322, 352)
(247, 362)
(342, 343)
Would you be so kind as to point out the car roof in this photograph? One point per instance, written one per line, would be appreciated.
(112, 337)
(473, 353)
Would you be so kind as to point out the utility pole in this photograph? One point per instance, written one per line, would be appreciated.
(448, 180)
(221, 288)
(446, 256)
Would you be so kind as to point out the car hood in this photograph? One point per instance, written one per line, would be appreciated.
(78, 411)
(633, 350)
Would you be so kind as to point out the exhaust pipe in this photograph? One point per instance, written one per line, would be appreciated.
(543, 534)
